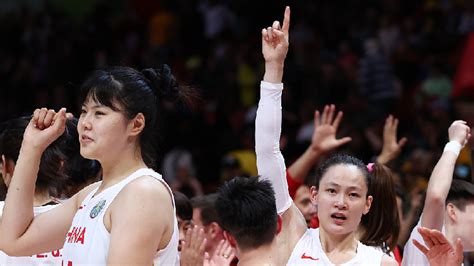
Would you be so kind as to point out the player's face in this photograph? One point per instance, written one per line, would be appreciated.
(102, 131)
(304, 204)
(341, 199)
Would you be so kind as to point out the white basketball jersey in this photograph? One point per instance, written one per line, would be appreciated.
(49, 258)
(87, 241)
(308, 251)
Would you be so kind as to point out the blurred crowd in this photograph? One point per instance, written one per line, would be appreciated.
(369, 58)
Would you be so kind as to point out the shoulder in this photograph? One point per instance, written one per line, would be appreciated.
(146, 186)
(145, 201)
(145, 192)
(388, 261)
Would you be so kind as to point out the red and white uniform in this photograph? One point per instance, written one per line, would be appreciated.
(49, 258)
(87, 241)
(308, 251)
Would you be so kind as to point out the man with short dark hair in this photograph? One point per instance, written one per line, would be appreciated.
(247, 209)
(205, 216)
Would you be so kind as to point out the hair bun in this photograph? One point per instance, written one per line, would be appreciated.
(161, 80)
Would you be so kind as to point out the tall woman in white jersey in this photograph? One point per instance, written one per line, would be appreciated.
(128, 217)
(342, 194)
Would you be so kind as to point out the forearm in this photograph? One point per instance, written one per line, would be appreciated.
(18, 210)
(270, 161)
(438, 189)
(301, 167)
(383, 158)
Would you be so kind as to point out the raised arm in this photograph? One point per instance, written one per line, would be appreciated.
(22, 233)
(442, 175)
(323, 141)
(270, 162)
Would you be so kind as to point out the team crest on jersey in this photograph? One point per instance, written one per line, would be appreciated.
(97, 208)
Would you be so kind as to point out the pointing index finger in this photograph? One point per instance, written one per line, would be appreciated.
(286, 21)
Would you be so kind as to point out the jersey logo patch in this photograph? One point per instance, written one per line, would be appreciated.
(97, 208)
(304, 256)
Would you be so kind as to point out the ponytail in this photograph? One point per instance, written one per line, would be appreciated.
(381, 223)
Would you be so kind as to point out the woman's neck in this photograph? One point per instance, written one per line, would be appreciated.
(333, 244)
(116, 170)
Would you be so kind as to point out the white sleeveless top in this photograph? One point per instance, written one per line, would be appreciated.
(308, 251)
(87, 241)
(49, 258)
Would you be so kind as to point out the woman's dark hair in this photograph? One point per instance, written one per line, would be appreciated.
(131, 92)
(344, 159)
(184, 209)
(79, 170)
(51, 174)
(381, 223)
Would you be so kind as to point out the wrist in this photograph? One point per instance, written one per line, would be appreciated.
(453, 146)
(383, 158)
(273, 72)
(31, 148)
(315, 152)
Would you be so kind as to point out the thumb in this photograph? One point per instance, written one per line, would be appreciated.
(59, 120)
(402, 142)
(69, 116)
(343, 141)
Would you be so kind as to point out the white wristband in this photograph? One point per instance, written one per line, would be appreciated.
(454, 147)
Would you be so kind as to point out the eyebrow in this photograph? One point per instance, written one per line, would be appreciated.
(332, 184)
(95, 106)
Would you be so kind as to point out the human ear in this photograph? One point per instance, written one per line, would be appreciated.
(368, 203)
(279, 222)
(314, 195)
(137, 124)
(215, 229)
(452, 212)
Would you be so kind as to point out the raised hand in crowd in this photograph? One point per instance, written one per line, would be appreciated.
(323, 141)
(223, 255)
(391, 146)
(193, 247)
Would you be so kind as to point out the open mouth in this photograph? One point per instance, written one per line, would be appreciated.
(338, 217)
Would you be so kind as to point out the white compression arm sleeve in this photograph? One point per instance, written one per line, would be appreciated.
(270, 161)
